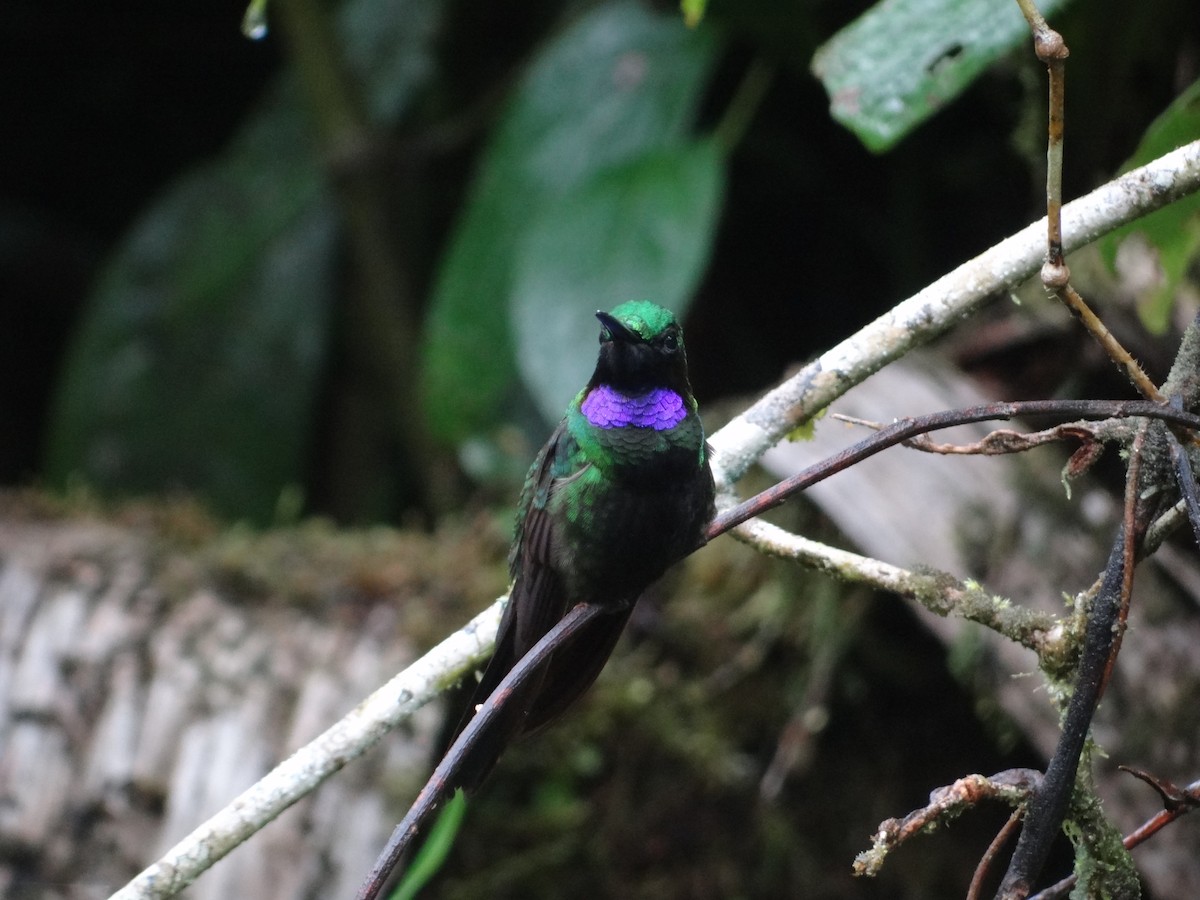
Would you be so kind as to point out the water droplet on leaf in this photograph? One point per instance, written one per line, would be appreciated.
(254, 22)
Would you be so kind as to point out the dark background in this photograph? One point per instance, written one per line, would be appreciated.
(102, 110)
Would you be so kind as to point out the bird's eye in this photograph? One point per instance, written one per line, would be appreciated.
(670, 341)
(605, 335)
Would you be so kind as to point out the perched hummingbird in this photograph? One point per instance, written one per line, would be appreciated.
(620, 492)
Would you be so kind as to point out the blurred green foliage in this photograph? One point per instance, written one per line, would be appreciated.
(196, 365)
(590, 171)
(639, 229)
(1174, 231)
(199, 359)
(617, 87)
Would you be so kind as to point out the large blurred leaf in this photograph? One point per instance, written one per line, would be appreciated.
(903, 60)
(618, 83)
(1173, 231)
(640, 229)
(197, 362)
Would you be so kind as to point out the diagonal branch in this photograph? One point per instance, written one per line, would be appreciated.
(303, 771)
(942, 305)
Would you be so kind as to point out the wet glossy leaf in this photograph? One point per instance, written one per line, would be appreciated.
(903, 60)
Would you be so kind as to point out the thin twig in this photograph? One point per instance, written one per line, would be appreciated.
(1133, 483)
(905, 429)
(1052, 50)
(1115, 350)
(1003, 836)
(1000, 442)
(1014, 786)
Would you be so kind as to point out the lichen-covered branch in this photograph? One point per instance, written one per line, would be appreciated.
(939, 592)
(945, 804)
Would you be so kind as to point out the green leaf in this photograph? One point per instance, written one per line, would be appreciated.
(196, 362)
(903, 60)
(618, 83)
(642, 229)
(1173, 231)
(808, 430)
(432, 855)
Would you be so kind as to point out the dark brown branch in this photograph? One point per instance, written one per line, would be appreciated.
(1187, 482)
(1003, 836)
(1130, 522)
(436, 788)
(905, 429)
(1000, 442)
(1048, 807)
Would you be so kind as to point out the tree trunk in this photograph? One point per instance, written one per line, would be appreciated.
(144, 683)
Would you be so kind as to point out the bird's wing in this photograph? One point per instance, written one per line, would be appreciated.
(538, 597)
(536, 602)
(574, 667)
(543, 601)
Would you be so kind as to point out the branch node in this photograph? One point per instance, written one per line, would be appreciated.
(1056, 275)
(1049, 46)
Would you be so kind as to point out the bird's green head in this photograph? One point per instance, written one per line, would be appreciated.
(641, 347)
(643, 318)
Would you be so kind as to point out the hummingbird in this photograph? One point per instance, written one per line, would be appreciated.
(620, 492)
